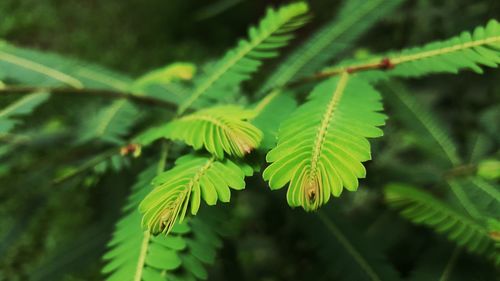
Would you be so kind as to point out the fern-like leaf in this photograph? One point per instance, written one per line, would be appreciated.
(22, 106)
(218, 129)
(109, 124)
(431, 133)
(135, 255)
(36, 68)
(321, 147)
(273, 32)
(469, 50)
(422, 208)
(354, 19)
(193, 178)
(357, 258)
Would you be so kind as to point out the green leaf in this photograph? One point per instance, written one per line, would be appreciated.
(355, 18)
(136, 255)
(193, 178)
(39, 69)
(20, 107)
(109, 124)
(427, 127)
(422, 208)
(469, 50)
(273, 32)
(321, 147)
(218, 129)
(356, 257)
(31, 67)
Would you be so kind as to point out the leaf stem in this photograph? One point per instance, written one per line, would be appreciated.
(142, 256)
(147, 235)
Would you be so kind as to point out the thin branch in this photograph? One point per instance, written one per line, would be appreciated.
(383, 64)
(461, 171)
(140, 99)
(22, 90)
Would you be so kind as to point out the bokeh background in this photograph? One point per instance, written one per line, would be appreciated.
(60, 235)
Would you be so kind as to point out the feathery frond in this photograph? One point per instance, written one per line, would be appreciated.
(109, 124)
(354, 19)
(356, 257)
(135, 255)
(112, 123)
(31, 67)
(273, 32)
(37, 68)
(469, 50)
(422, 208)
(218, 129)
(482, 197)
(22, 106)
(417, 117)
(193, 178)
(322, 145)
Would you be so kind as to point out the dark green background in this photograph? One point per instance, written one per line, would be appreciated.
(134, 36)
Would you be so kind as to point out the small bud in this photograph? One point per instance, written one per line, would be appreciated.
(133, 148)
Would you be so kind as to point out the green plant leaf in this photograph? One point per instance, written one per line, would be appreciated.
(322, 145)
(218, 129)
(134, 254)
(274, 31)
(354, 19)
(469, 50)
(193, 178)
(422, 208)
(356, 257)
(20, 107)
(37, 68)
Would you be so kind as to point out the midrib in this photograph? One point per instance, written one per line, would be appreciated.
(142, 256)
(36, 67)
(113, 110)
(451, 49)
(17, 104)
(398, 59)
(325, 122)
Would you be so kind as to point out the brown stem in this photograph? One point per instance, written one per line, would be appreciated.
(22, 90)
(383, 64)
(460, 171)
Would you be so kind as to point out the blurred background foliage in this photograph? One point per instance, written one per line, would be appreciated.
(59, 232)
